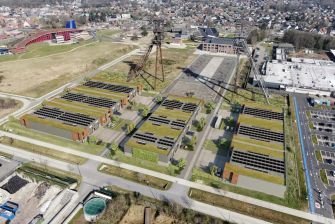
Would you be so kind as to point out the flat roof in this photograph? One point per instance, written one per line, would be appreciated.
(302, 73)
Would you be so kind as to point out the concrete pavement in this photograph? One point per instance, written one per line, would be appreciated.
(186, 183)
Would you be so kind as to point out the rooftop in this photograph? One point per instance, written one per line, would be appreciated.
(302, 73)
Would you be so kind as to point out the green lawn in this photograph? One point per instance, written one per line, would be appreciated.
(149, 147)
(273, 125)
(173, 114)
(40, 150)
(318, 156)
(120, 156)
(136, 177)
(42, 49)
(44, 172)
(161, 131)
(248, 140)
(255, 174)
(258, 149)
(245, 208)
(323, 176)
(16, 128)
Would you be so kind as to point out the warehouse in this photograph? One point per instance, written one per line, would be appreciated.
(161, 134)
(300, 73)
(74, 126)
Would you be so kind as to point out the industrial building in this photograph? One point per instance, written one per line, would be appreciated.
(44, 35)
(308, 74)
(222, 45)
(161, 134)
(257, 147)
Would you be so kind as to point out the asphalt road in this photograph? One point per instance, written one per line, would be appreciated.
(317, 191)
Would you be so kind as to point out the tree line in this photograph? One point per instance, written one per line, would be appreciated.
(301, 39)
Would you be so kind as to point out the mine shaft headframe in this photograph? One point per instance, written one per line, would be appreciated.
(158, 31)
(139, 69)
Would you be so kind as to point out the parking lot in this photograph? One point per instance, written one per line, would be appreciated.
(323, 115)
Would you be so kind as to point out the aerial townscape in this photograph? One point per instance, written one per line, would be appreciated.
(167, 111)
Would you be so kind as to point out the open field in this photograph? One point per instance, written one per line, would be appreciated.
(53, 71)
(273, 125)
(174, 60)
(245, 208)
(258, 149)
(256, 174)
(136, 177)
(8, 106)
(14, 126)
(66, 157)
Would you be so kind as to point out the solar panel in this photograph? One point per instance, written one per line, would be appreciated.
(94, 101)
(70, 118)
(263, 113)
(261, 134)
(111, 87)
(258, 161)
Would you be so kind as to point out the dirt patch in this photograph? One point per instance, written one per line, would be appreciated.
(317, 56)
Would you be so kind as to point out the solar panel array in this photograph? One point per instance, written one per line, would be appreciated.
(94, 101)
(163, 143)
(172, 123)
(261, 134)
(110, 87)
(258, 161)
(69, 118)
(174, 104)
(263, 113)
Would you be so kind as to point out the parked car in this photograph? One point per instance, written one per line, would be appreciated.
(332, 173)
(219, 172)
(329, 161)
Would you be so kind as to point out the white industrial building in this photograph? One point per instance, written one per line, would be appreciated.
(300, 73)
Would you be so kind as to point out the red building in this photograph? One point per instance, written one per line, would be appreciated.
(43, 35)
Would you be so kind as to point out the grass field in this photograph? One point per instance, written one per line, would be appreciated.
(212, 145)
(258, 149)
(15, 127)
(174, 60)
(120, 156)
(43, 172)
(318, 156)
(273, 125)
(136, 177)
(54, 70)
(149, 147)
(245, 208)
(323, 176)
(248, 140)
(40, 150)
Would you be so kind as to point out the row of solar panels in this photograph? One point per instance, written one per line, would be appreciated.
(261, 134)
(163, 143)
(94, 101)
(174, 104)
(172, 123)
(110, 87)
(258, 161)
(263, 113)
(70, 118)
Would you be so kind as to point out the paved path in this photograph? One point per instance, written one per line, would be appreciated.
(92, 179)
(242, 198)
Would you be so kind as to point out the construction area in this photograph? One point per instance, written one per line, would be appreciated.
(24, 199)
(161, 134)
